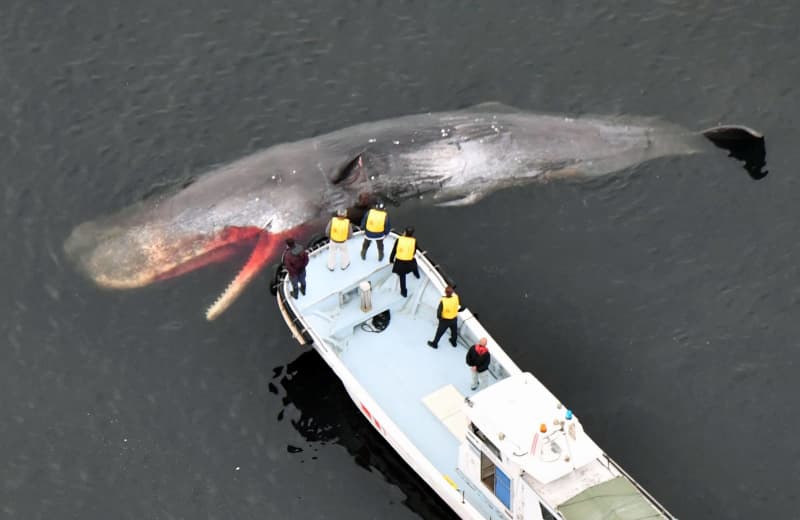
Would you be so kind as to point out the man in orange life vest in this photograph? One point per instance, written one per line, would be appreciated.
(339, 230)
(376, 226)
(447, 312)
(402, 256)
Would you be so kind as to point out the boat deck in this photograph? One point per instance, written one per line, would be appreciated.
(421, 389)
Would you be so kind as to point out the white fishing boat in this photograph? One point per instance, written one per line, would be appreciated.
(510, 449)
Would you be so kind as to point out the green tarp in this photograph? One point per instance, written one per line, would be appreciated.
(616, 499)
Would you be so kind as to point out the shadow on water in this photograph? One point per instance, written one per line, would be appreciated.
(743, 144)
(326, 414)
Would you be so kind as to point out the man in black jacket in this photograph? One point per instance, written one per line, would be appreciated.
(478, 359)
(402, 258)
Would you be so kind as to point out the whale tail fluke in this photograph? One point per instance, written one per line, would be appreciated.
(743, 144)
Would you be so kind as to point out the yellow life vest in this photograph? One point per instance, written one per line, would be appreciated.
(405, 248)
(450, 307)
(339, 228)
(376, 221)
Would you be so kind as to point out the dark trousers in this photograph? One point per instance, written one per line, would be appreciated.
(443, 326)
(299, 280)
(402, 275)
(365, 246)
(403, 289)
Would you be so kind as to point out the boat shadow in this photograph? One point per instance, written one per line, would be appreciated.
(319, 408)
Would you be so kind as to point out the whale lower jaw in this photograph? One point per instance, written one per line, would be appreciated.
(263, 252)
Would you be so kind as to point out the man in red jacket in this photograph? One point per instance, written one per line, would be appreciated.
(478, 359)
(295, 259)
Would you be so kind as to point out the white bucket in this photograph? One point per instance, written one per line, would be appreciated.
(365, 294)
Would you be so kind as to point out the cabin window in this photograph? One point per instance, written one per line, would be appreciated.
(489, 444)
(496, 480)
(487, 471)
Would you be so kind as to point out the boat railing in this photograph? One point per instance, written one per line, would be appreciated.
(438, 268)
(297, 327)
(471, 330)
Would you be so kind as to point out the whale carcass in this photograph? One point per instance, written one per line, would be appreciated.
(249, 206)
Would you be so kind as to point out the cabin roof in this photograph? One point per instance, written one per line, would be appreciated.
(511, 412)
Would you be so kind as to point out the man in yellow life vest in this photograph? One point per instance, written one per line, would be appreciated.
(448, 317)
(402, 256)
(376, 227)
(339, 230)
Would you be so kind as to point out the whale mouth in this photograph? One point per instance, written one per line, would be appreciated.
(124, 259)
(744, 144)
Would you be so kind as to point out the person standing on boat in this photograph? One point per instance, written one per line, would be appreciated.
(295, 260)
(376, 227)
(402, 256)
(478, 359)
(357, 211)
(339, 230)
(447, 312)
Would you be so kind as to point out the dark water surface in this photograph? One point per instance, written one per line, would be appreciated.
(661, 303)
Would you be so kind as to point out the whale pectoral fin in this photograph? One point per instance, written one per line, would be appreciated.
(742, 143)
(561, 173)
(472, 198)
